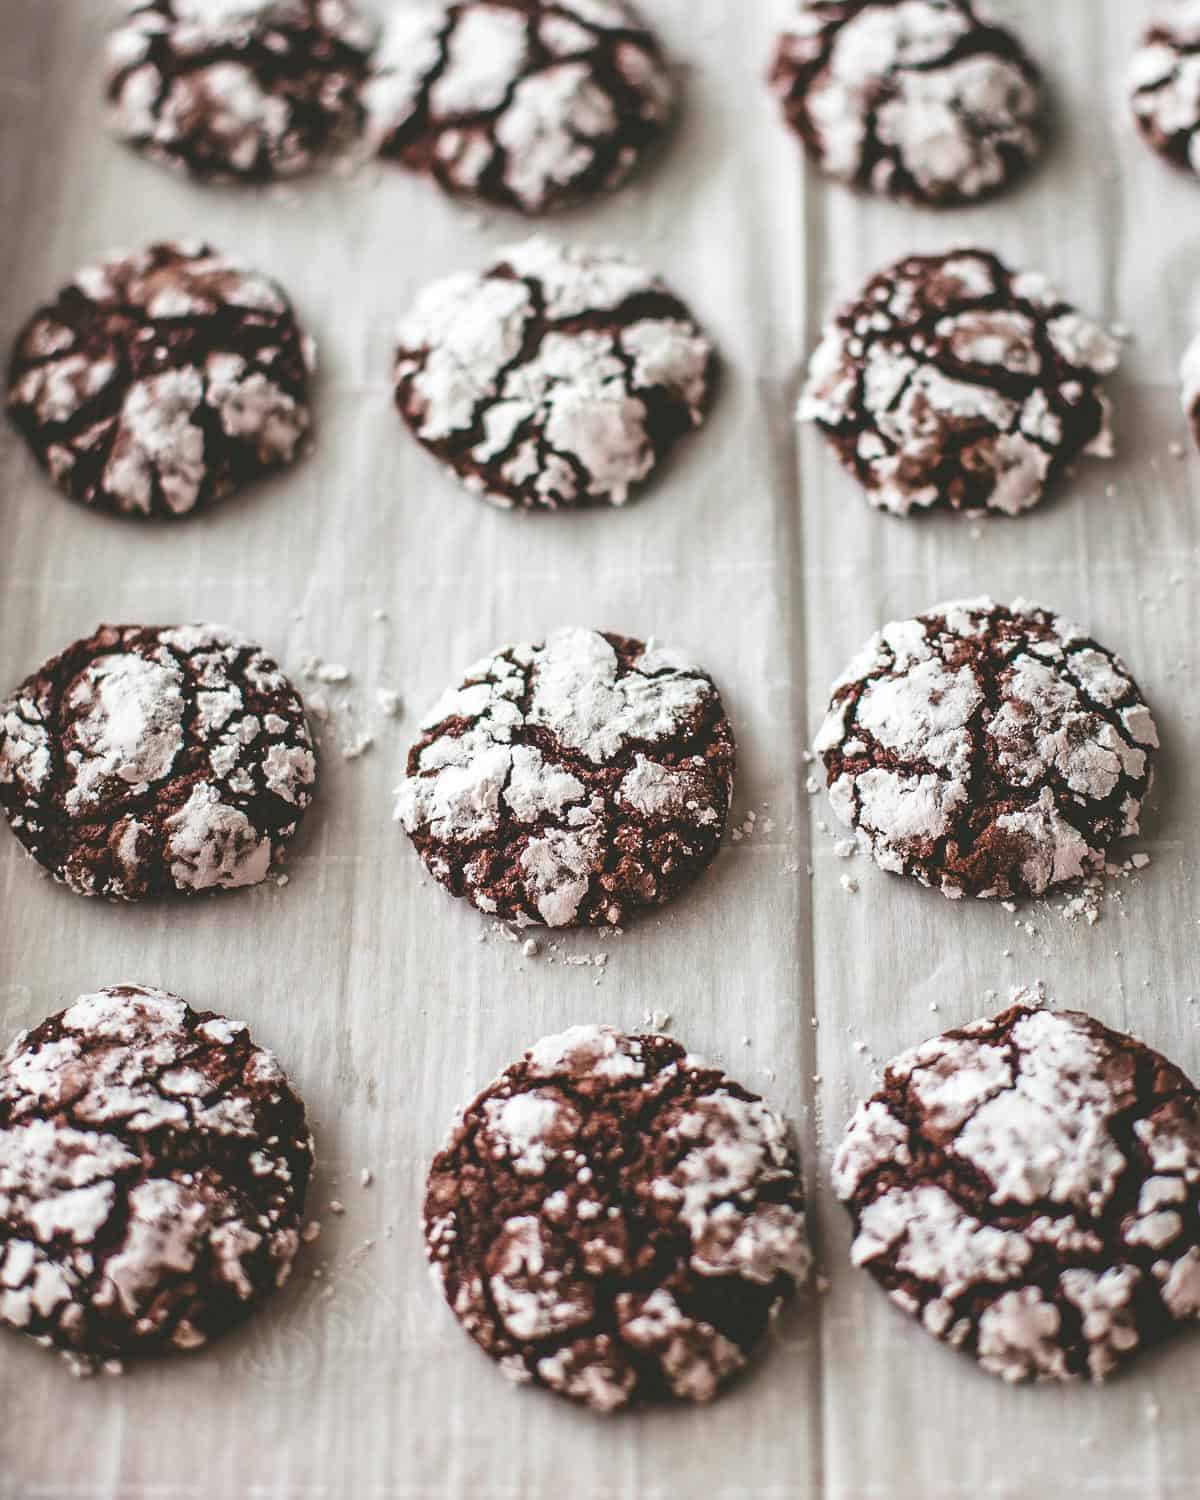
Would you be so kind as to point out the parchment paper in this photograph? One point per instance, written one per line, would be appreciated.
(760, 557)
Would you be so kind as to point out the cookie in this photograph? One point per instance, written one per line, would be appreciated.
(616, 1220)
(153, 1169)
(1164, 83)
(954, 383)
(161, 380)
(238, 90)
(557, 378)
(927, 100)
(987, 750)
(1028, 1188)
(571, 784)
(530, 104)
(152, 759)
(1189, 380)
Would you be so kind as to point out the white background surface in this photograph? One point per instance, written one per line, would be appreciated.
(758, 556)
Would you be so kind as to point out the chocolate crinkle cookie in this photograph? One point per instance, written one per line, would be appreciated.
(1028, 1188)
(153, 1170)
(1164, 83)
(531, 104)
(146, 760)
(161, 380)
(239, 90)
(573, 783)
(617, 1221)
(987, 750)
(922, 99)
(1189, 377)
(558, 378)
(951, 382)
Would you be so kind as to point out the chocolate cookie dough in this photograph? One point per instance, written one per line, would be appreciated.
(153, 1169)
(1164, 84)
(559, 377)
(147, 760)
(571, 784)
(1027, 1187)
(161, 380)
(238, 90)
(952, 382)
(616, 1220)
(531, 104)
(921, 99)
(987, 750)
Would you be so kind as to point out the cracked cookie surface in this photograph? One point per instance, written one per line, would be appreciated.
(987, 750)
(572, 783)
(559, 377)
(153, 1169)
(1164, 84)
(161, 380)
(920, 99)
(952, 382)
(1027, 1188)
(147, 760)
(530, 104)
(616, 1220)
(238, 90)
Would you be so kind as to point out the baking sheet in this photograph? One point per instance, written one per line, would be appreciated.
(756, 553)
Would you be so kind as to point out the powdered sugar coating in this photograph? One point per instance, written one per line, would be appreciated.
(922, 99)
(162, 380)
(1164, 83)
(615, 1220)
(153, 1168)
(150, 760)
(531, 104)
(1027, 1187)
(559, 377)
(571, 783)
(238, 90)
(953, 382)
(988, 750)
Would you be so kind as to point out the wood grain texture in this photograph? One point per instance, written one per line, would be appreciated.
(757, 554)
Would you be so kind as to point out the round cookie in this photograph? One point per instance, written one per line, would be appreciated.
(153, 759)
(921, 99)
(1189, 376)
(987, 750)
(530, 104)
(161, 380)
(153, 1169)
(571, 784)
(954, 383)
(238, 90)
(557, 378)
(617, 1221)
(1164, 83)
(1027, 1188)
